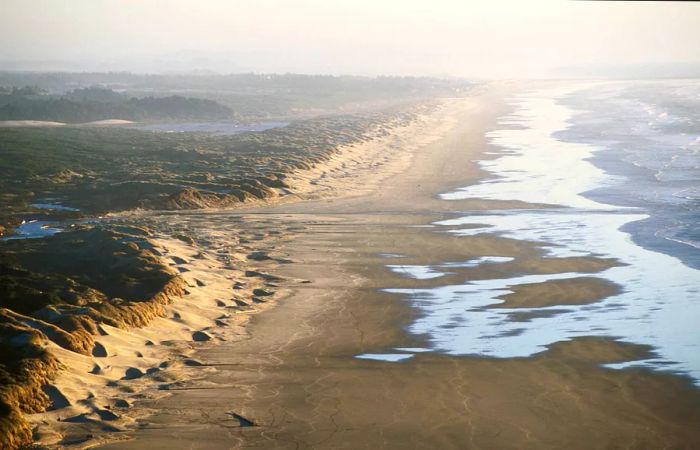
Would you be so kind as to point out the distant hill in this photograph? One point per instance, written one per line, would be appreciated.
(96, 103)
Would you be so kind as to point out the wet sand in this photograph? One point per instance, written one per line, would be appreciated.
(293, 381)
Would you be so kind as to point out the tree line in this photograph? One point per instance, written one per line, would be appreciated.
(94, 103)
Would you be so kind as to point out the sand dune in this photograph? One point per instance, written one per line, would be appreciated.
(47, 123)
(96, 391)
(29, 123)
(207, 375)
(109, 122)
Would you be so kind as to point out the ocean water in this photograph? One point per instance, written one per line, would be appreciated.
(651, 135)
(618, 166)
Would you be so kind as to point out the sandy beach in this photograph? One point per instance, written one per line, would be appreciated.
(347, 225)
(263, 350)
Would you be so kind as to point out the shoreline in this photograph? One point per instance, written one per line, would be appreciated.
(96, 392)
(303, 387)
(297, 382)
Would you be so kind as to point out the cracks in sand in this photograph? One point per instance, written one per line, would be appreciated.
(325, 406)
(462, 388)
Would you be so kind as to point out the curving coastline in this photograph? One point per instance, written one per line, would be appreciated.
(336, 363)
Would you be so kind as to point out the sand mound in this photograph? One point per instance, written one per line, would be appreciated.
(63, 290)
(109, 122)
(29, 123)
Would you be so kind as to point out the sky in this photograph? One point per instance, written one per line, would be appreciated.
(490, 39)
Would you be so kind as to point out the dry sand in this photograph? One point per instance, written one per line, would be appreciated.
(227, 284)
(93, 397)
(109, 122)
(30, 123)
(291, 380)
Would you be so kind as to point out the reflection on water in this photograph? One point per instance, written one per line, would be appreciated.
(428, 272)
(659, 302)
(417, 272)
(534, 167)
(388, 357)
(34, 229)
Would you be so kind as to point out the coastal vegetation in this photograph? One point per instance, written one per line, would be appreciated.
(250, 96)
(102, 169)
(95, 103)
(61, 289)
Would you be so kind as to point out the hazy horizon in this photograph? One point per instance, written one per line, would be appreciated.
(442, 37)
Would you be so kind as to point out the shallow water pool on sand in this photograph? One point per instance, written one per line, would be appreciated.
(659, 299)
(33, 230)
